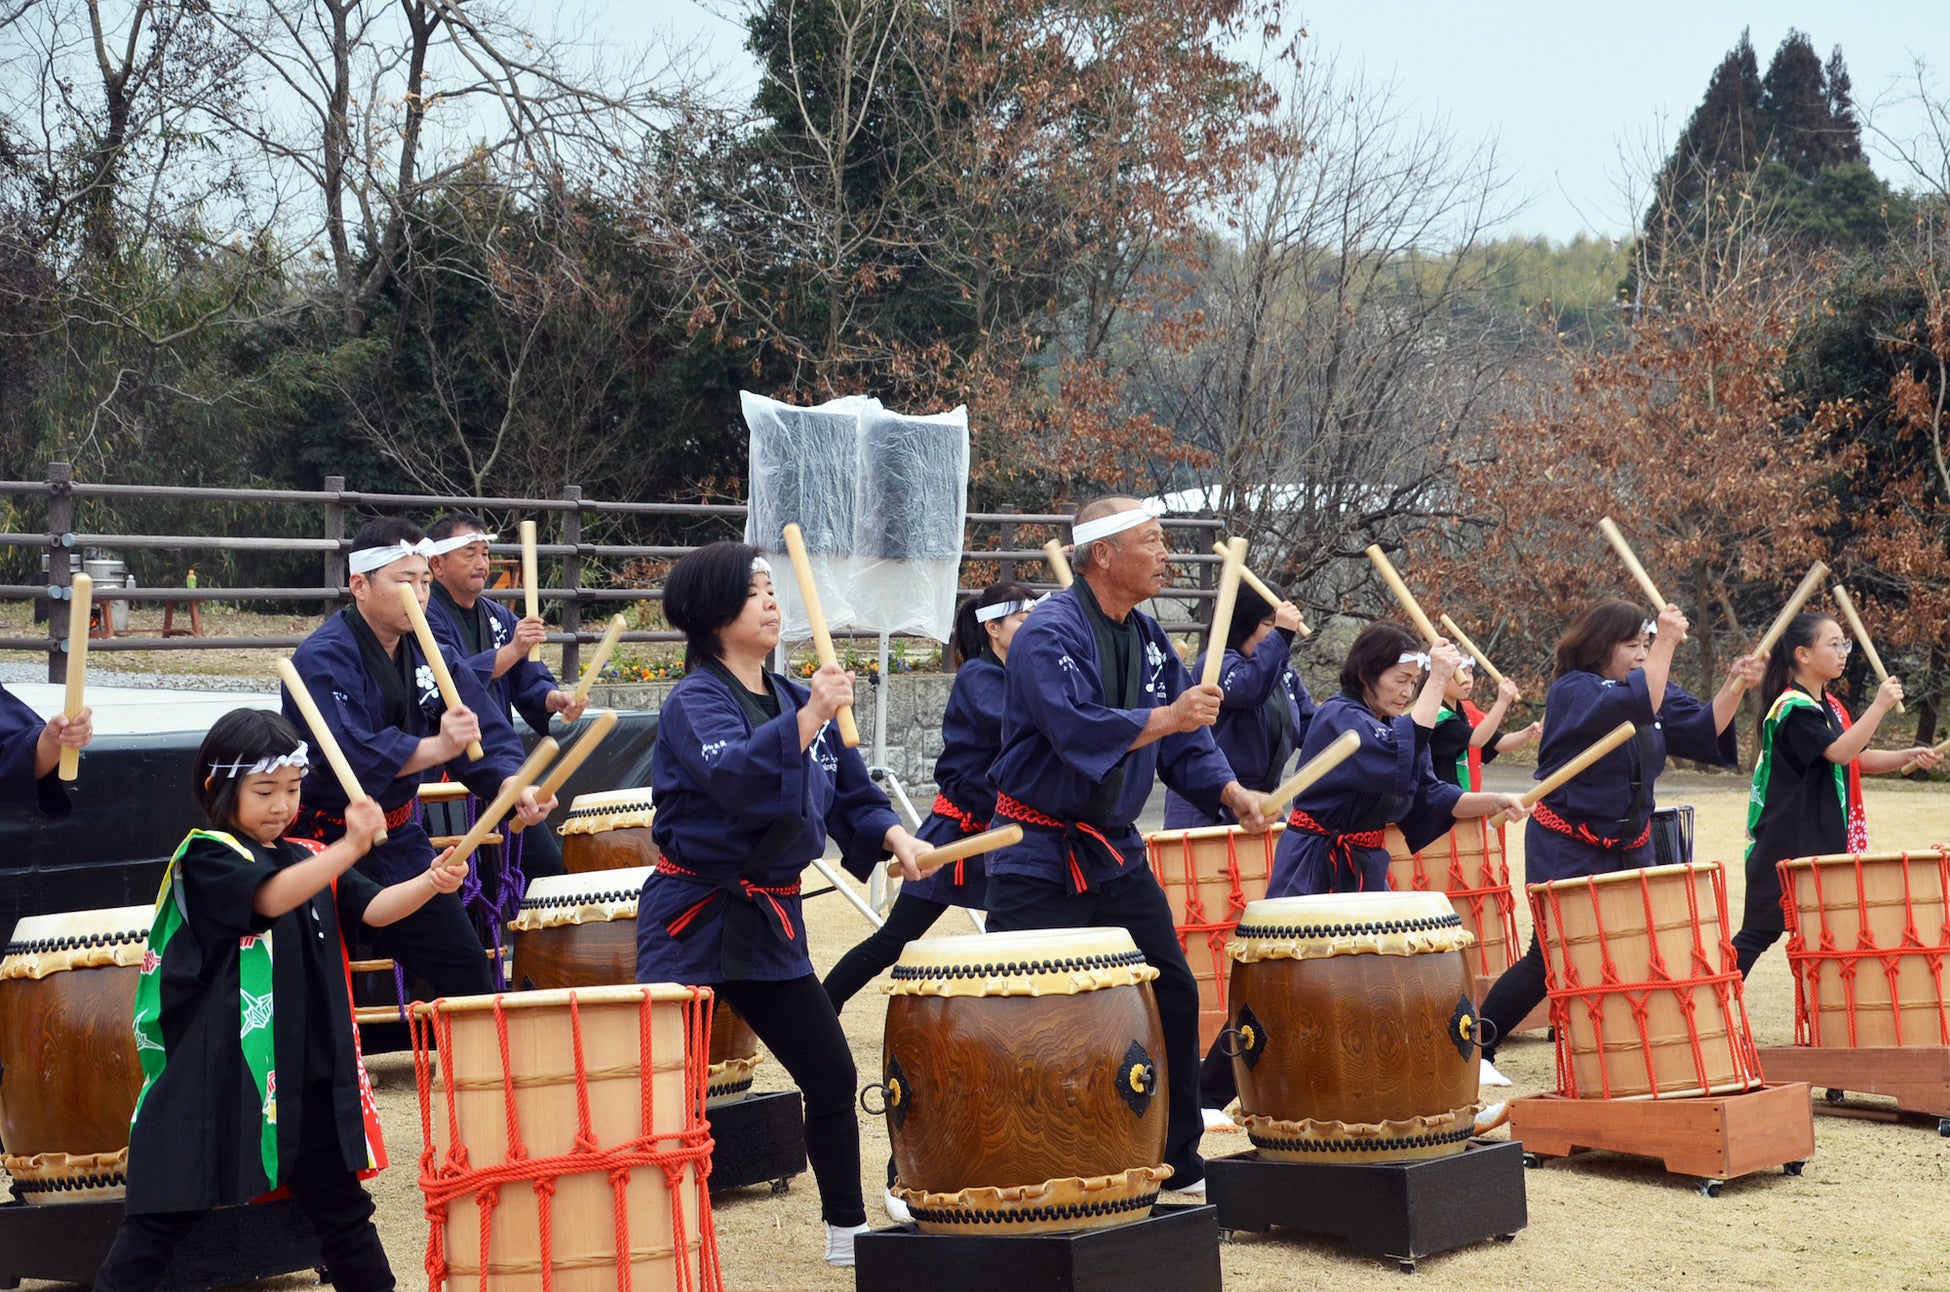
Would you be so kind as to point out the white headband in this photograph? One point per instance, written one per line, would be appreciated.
(1648, 629)
(367, 559)
(298, 758)
(455, 542)
(761, 566)
(1000, 610)
(1414, 657)
(1468, 662)
(1115, 523)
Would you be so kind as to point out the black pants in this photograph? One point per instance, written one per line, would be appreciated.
(909, 919)
(1217, 1085)
(1516, 993)
(1132, 902)
(1762, 922)
(799, 1025)
(330, 1195)
(438, 944)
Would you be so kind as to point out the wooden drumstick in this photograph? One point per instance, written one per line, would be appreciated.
(795, 547)
(80, 610)
(504, 802)
(1059, 565)
(1810, 584)
(435, 661)
(530, 593)
(558, 775)
(1599, 748)
(1402, 594)
(974, 845)
(1318, 766)
(1847, 603)
(321, 734)
(1215, 641)
(1632, 566)
(1461, 639)
(1940, 748)
(1254, 582)
(604, 648)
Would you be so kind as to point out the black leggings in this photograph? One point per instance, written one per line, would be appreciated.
(801, 1028)
(910, 918)
(1515, 994)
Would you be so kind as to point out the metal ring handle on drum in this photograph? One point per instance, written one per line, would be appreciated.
(1237, 1038)
(885, 1095)
(1466, 1027)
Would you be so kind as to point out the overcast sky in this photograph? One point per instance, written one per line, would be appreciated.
(1563, 88)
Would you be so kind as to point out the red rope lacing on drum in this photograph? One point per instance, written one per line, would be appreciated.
(1484, 901)
(1805, 964)
(1564, 984)
(1541, 813)
(1340, 844)
(1186, 874)
(945, 807)
(683, 1154)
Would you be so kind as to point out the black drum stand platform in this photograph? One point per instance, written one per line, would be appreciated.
(1401, 1210)
(65, 1243)
(760, 1139)
(1175, 1248)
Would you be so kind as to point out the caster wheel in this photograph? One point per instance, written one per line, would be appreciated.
(324, 1276)
(1834, 1096)
(1532, 1160)
(781, 1187)
(1793, 1168)
(1943, 1127)
(1506, 1238)
(1710, 1188)
(1406, 1267)
(1225, 1235)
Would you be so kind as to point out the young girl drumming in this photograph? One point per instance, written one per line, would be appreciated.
(1264, 715)
(1807, 796)
(252, 1075)
(1465, 737)
(1334, 841)
(971, 733)
(750, 778)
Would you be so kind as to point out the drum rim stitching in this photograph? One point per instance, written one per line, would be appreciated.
(1019, 968)
(1420, 924)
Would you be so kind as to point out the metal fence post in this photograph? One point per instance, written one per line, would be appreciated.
(1207, 581)
(335, 530)
(60, 572)
(572, 583)
(1007, 574)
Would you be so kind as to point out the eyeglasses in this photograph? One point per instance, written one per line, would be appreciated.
(1841, 646)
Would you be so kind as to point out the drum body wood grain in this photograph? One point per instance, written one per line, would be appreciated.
(1209, 875)
(1355, 1028)
(580, 931)
(609, 831)
(1644, 989)
(1869, 946)
(70, 1074)
(1024, 1080)
(1467, 866)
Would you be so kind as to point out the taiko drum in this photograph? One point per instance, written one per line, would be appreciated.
(1644, 988)
(69, 1074)
(1209, 874)
(1024, 1079)
(1467, 866)
(1869, 947)
(1353, 1027)
(590, 1104)
(609, 831)
(580, 931)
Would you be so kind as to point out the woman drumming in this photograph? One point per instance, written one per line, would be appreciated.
(1807, 797)
(1465, 737)
(971, 732)
(750, 779)
(1333, 841)
(1613, 666)
(1264, 715)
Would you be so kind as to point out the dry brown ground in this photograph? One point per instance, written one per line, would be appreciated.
(1868, 1213)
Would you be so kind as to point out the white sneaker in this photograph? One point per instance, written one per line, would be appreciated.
(1216, 1120)
(897, 1210)
(839, 1243)
(1491, 1077)
(1195, 1190)
(1492, 1117)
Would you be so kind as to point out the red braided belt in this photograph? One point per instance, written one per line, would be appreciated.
(1340, 843)
(969, 823)
(1076, 834)
(1542, 815)
(750, 892)
(316, 823)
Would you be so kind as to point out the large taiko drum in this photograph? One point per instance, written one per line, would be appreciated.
(1209, 875)
(68, 1068)
(1869, 945)
(1467, 866)
(594, 1092)
(609, 831)
(1024, 1079)
(580, 931)
(1354, 1027)
(1644, 989)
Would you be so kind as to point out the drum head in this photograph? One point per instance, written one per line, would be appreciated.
(1331, 924)
(609, 810)
(45, 944)
(591, 897)
(1031, 962)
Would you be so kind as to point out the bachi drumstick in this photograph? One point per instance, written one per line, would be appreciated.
(1611, 740)
(530, 593)
(1810, 584)
(503, 803)
(1254, 582)
(1215, 654)
(328, 744)
(1632, 566)
(1847, 603)
(1059, 565)
(436, 662)
(1316, 767)
(80, 610)
(974, 845)
(1462, 639)
(795, 546)
(604, 649)
(1393, 579)
(1941, 748)
(558, 775)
